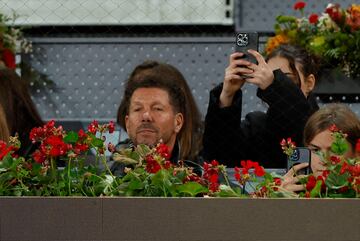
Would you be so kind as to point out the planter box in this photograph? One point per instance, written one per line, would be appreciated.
(197, 219)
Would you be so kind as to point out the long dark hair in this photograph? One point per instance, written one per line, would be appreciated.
(20, 111)
(309, 64)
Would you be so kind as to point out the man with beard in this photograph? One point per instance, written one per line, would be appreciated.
(154, 113)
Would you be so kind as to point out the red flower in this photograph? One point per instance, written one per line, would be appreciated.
(355, 170)
(299, 5)
(314, 18)
(334, 12)
(325, 173)
(111, 127)
(92, 128)
(259, 171)
(214, 182)
(237, 176)
(335, 160)
(344, 168)
(111, 147)
(9, 58)
(56, 145)
(163, 150)
(152, 166)
(82, 135)
(357, 148)
(167, 164)
(79, 148)
(39, 157)
(333, 128)
(311, 183)
(4, 149)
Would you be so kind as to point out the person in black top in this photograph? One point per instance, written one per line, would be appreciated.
(285, 83)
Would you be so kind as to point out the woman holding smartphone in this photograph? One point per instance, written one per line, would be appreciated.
(285, 82)
(318, 138)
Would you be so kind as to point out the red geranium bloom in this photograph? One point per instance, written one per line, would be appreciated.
(38, 156)
(9, 58)
(214, 184)
(299, 5)
(333, 128)
(357, 148)
(314, 18)
(92, 128)
(82, 135)
(111, 127)
(311, 183)
(334, 12)
(4, 149)
(163, 150)
(57, 146)
(259, 171)
(152, 166)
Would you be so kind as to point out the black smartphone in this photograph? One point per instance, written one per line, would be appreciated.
(245, 41)
(300, 155)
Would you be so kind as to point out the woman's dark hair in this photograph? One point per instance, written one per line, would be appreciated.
(190, 136)
(333, 114)
(20, 111)
(295, 54)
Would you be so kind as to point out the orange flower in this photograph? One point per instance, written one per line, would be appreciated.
(275, 41)
(353, 19)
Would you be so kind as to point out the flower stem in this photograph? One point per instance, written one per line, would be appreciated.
(69, 176)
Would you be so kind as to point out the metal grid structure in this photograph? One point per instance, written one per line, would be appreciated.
(89, 74)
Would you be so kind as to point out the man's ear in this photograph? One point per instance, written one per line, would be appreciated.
(179, 121)
(310, 83)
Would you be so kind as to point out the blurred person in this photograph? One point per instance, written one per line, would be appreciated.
(285, 82)
(21, 114)
(318, 137)
(4, 130)
(189, 137)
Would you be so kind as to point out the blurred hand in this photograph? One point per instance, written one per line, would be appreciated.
(262, 75)
(233, 81)
(290, 179)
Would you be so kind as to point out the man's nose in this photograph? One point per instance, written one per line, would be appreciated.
(146, 116)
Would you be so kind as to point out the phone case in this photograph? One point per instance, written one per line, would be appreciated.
(300, 155)
(245, 41)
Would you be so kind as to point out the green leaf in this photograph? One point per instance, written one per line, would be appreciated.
(136, 184)
(317, 189)
(192, 189)
(339, 147)
(123, 159)
(97, 142)
(334, 181)
(226, 191)
(71, 137)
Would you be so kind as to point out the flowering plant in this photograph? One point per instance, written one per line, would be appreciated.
(334, 36)
(57, 168)
(11, 41)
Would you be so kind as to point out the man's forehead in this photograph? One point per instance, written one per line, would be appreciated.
(151, 94)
